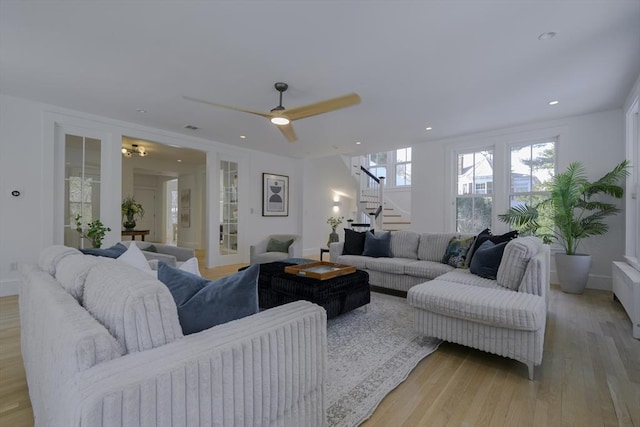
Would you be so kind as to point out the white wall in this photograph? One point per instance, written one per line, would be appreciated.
(27, 131)
(324, 178)
(596, 140)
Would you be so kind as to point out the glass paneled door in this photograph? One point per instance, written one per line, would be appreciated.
(228, 207)
(81, 186)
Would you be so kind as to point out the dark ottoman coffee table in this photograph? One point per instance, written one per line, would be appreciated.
(337, 296)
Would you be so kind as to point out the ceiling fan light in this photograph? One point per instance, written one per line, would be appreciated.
(281, 121)
(124, 150)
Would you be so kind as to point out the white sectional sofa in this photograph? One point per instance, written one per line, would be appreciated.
(505, 316)
(416, 259)
(102, 346)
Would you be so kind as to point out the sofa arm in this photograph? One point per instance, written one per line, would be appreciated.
(265, 369)
(335, 250)
(168, 259)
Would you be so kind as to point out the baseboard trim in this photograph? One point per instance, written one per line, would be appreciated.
(9, 287)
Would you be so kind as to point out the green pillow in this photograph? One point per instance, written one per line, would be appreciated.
(278, 246)
(456, 254)
(151, 248)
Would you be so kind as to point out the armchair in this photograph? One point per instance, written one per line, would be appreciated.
(258, 253)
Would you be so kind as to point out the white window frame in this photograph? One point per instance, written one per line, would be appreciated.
(390, 166)
(472, 194)
(632, 196)
(530, 193)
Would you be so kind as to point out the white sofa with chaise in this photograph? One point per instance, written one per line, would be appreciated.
(102, 346)
(416, 259)
(505, 316)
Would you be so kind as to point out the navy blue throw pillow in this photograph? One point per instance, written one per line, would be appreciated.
(486, 259)
(205, 303)
(113, 252)
(377, 245)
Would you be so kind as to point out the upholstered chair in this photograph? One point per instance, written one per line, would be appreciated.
(271, 248)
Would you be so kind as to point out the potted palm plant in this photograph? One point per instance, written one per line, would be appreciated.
(131, 209)
(576, 212)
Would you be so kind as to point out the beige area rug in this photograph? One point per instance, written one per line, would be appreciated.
(370, 353)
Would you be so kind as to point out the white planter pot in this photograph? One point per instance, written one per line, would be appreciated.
(573, 272)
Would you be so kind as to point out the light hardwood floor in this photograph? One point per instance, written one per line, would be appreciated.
(590, 375)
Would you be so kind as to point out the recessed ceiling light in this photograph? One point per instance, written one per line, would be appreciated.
(358, 142)
(546, 36)
(553, 102)
(428, 128)
(243, 137)
(192, 127)
(140, 110)
(179, 161)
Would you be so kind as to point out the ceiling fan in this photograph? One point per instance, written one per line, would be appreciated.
(283, 117)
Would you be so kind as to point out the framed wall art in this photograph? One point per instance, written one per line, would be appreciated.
(275, 195)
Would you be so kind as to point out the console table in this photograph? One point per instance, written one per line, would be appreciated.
(134, 233)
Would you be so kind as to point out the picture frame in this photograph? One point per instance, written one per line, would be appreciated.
(275, 195)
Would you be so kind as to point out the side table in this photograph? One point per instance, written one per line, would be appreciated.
(322, 252)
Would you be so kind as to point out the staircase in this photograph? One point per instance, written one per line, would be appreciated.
(373, 210)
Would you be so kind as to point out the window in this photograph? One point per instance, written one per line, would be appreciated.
(474, 184)
(403, 167)
(397, 161)
(531, 168)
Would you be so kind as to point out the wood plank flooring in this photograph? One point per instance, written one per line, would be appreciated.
(590, 374)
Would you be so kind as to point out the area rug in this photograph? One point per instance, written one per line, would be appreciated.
(370, 353)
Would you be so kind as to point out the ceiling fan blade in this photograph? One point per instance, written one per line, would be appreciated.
(202, 101)
(287, 131)
(322, 107)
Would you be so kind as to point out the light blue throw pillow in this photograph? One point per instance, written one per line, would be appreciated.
(377, 245)
(205, 303)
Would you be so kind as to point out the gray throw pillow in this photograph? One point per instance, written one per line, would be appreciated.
(278, 246)
(377, 245)
(204, 303)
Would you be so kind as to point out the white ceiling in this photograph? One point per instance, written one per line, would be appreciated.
(458, 66)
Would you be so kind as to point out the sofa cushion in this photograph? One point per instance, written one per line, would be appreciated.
(203, 303)
(404, 244)
(432, 246)
(137, 309)
(456, 253)
(486, 259)
(495, 307)
(112, 252)
(72, 273)
(377, 245)
(466, 277)
(51, 256)
(516, 256)
(387, 265)
(353, 242)
(426, 269)
(358, 261)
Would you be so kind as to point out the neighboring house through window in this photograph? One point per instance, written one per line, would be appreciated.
(474, 198)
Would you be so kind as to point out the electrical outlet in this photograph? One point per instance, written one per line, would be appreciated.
(13, 266)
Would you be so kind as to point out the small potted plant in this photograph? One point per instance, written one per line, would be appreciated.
(576, 213)
(94, 232)
(131, 208)
(334, 223)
